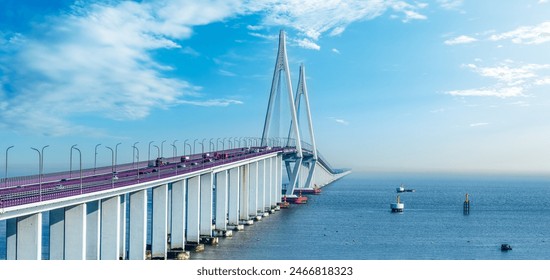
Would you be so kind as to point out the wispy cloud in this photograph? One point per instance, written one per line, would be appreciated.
(512, 79)
(334, 50)
(463, 39)
(450, 4)
(307, 44)
(339, 121)
(212, 103)
(478, 124)
(317, 17)
(96, 59)
(503, 92)
(529, 35)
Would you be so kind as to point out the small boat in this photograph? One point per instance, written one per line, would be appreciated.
(397, 206)
(505, 247)
(402, 189)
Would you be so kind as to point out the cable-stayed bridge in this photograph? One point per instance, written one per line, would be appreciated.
(181, 202)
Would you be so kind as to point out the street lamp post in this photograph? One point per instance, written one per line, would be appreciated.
(71, 162)
(158, 156)
(136, 148)
(6, 172)
(194, 143)
(95, 157)
(175, 149)
(202, 144)
(162, 148)
(134, 154)
(40, 168)
(185, 145)
(80, 157)
(112, 165)
(211, 145)
(116, 154)
(149, 152)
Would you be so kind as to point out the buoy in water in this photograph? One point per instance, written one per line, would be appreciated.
(397, 206)
(467, 205)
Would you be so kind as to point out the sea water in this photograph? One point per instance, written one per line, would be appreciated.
(351, 220)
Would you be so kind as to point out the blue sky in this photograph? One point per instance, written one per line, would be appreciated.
(415, 86)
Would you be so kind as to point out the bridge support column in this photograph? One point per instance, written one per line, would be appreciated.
(253, 197)
(123, 205)
(243, 195)
(234, 194)
(268, 184)
(159, 231)
(11, 239)
(274, 163)
(222, 201)
(260, 209)
(279, 178)
(57, 234)
(177, 234)
(193, 209)
(29, 237)
(110, 228)
(206, 198)
(93, 226)
(138, 225)
(75, 232)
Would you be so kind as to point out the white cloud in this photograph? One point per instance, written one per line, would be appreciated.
(543, 1)
(528, 35)
(510, 74)
(315, 17)
(307, 44)
(512, 79)
(339, 121)
(334, 50)
(489, 92)
(450, 4)
(96, 59)
(478, 124)
(213, 102)
(463, 39)
(226, 73)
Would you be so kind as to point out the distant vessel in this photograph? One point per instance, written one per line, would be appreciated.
(397, 206)
(402, 189)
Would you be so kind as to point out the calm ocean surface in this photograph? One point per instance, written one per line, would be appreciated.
(351, 219)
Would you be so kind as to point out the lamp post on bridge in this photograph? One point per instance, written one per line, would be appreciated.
(134, 154)
(40, 168)
(116, 154)
(149, 152)
(80, 158)
(185, 145)
(158, 156)
(112, 165)
(6, 172)
(189, 145)
(230, 143)
(175, 148)
(210, 146)
(162, 148)
(202, 144)
(194, 145)
(71, 162)
(95, 157)
(136, 148)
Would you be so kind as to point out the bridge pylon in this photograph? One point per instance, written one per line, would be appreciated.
(297, 164)
(282, 71)
(309, 162)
